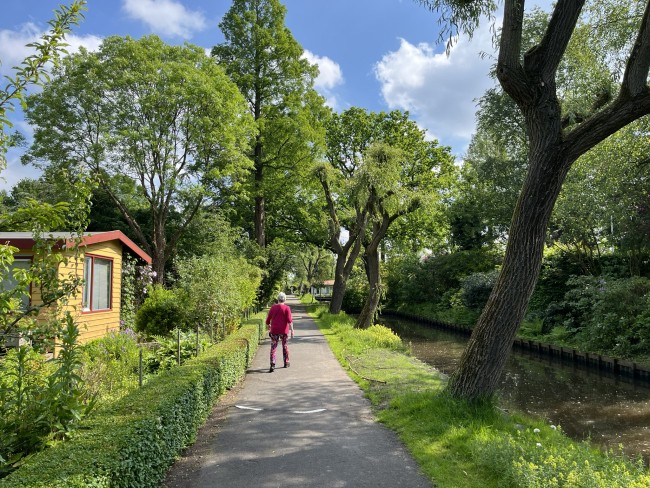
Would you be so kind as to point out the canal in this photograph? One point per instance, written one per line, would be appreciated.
(585, 402)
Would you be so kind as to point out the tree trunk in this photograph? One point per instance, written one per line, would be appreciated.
(367, 315)
(344, 263)
(260, 221)
(489, 347)
(338, 290)
(260, 203)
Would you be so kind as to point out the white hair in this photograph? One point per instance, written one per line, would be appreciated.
(282, 297)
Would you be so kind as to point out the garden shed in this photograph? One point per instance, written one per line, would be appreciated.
(96, 306)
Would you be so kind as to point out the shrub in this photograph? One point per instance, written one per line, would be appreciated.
(165, 355)
(39, 402)
(132, 442)
(162, 311)
(110, 365)
(476, 289)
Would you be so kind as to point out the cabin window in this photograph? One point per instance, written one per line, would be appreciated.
(9, 283)
(98, 277)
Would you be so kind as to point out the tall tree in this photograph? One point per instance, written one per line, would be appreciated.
(267, 64)
(349, 134)
(555, 142)
(399, 179)
(165, 116)
(380, 168)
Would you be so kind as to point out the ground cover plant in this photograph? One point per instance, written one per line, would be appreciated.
(469, 444)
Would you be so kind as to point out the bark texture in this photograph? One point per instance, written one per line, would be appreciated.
(552, 151)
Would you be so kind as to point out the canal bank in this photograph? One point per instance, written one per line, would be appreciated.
(586, 402)
(617, 366)
(467, 445)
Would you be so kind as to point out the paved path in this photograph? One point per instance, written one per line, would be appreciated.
(304, 426)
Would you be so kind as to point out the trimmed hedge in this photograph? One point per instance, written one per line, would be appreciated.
(133, 442)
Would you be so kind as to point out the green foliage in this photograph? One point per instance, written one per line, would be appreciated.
(356, 291)
(267, 64)
(611, 314)
(216, 288)
(434, 279)
(165, 353)
(39, 403)
(540, 458)
(132, 442)
(135, 280)
(476, 289)
(467, 444)
(110, 365)
(33, 68)
(162, 311)
(108, 108)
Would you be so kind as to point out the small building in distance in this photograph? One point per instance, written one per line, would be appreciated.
(322, 291)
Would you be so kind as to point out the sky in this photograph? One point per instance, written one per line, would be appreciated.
(375, 54)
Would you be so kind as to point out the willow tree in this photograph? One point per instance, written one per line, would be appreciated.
(396, 181)
(267, 64)
(555, 142)
(165, 116)
(380, 167)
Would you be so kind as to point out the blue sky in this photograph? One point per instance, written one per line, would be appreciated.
(376, 54)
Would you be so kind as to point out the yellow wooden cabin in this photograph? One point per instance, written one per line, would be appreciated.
(96, 307)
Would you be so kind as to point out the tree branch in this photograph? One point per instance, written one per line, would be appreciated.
(638, 64)
(509, 70)
(543, 60)
(603, 124)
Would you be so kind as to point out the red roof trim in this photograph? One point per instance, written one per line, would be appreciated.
(86, 240)
(116, 235)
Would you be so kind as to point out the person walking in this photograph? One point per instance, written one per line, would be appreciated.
(280, 324)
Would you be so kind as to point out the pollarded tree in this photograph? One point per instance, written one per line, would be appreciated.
(555, 142)
(165, 116)
(367, 190)
(267, 64)
(398, 180)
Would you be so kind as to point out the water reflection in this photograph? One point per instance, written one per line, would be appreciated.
(585, 402)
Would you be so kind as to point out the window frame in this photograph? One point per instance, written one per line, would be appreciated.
(87, 300)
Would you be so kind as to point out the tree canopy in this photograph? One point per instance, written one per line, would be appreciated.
(165, 116)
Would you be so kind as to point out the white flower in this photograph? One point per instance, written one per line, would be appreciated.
(553, 427)
(536, 431)
(539, 444)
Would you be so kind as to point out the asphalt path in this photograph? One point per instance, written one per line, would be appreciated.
(308, 425)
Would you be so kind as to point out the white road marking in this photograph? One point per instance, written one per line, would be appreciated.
(248, 408)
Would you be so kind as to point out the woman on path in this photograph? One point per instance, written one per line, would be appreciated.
(279, 323)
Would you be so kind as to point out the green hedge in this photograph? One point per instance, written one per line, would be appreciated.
(133, 443)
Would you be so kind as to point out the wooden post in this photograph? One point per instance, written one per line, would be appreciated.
(178, 347)
(197, 339)
(140, 369)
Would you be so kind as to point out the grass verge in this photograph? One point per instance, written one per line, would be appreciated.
(460, 444)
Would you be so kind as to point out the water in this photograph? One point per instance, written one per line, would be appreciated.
(611, 410)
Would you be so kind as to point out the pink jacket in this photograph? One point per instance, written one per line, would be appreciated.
(279, 317)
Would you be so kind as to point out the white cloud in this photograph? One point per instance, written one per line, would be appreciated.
(329, 77)
(166, 17)
(90, 42)
(439, 90)
(14, 49)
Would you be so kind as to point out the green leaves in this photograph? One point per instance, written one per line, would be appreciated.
(33, 68)
(165, 116)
